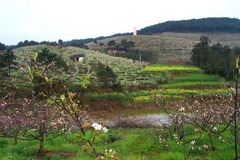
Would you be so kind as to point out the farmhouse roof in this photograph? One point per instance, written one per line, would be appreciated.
(78, 55)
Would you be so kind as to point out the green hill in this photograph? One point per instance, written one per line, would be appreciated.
(231, 25)
(170, 47)
(125, 69)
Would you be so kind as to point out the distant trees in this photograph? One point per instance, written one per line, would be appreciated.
(60, 42)
(214, 59)
(127, 44)
(195, 25)
(123, 44)
(111, 43)
(201, 52)
(31, 43)
(7, 60)
(2, 46)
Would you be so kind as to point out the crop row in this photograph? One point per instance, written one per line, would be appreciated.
(176, 69)
(204, 92)
(197, 77)
(147, 95)
(193, 83)
(156, 98)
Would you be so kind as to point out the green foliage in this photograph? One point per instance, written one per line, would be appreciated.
(127, 44)
(46, 57)
(214, 59)
(2, 46)
(195, 25)
(111, 43)
(105, 75)
(201, 52)
(8, 61)
(60, 42)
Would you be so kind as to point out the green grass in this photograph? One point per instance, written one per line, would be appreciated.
(173, 92)
(195, 92)
(196, 84)
(197, 78)
(129, 144)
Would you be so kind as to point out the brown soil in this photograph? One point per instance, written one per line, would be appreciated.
(50, 153)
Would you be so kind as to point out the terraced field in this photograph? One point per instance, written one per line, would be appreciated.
(171, 48)
(185, 81)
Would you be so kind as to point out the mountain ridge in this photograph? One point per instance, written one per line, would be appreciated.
(206, 25)
(213, 24)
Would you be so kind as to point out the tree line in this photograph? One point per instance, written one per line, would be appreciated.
(195, 25)
(48, 43)
(75, 42)
(215, 59)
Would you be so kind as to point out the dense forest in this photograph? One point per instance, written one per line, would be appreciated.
(215, 59)
(195, 25)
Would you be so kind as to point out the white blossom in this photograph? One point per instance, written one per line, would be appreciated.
(97, 126)
(105, 130)
(192, 143)
(181, 109)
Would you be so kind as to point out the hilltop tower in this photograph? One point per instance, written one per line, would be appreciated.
(134, 31)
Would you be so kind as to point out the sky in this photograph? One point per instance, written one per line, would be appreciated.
(51, 20)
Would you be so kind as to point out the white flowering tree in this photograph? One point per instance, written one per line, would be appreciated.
(27, 119)
(67, 103)
(210, 116)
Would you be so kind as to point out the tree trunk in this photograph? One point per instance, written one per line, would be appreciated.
(15, 140)
(41, 138)
(41, 146)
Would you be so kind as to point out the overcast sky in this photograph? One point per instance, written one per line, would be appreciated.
(52, 20)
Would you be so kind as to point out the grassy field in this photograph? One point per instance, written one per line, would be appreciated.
(129, 144)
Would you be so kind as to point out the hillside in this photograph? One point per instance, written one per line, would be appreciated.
(170, 47)
(231, 25)
(204, 25)
(170, 42)
(125, 69)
